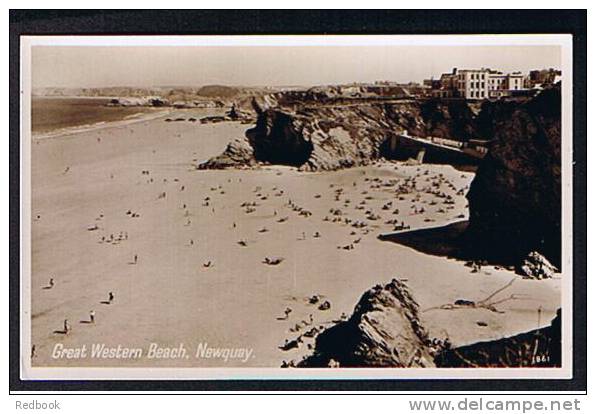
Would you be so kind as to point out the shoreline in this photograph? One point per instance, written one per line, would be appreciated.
(127, 120)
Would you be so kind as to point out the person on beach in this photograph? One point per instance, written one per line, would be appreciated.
(51, 283)
(110, 297)
(66, 327)
(92, 316)
(136, 259)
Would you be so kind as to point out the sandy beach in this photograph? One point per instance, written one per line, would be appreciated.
(200, 239)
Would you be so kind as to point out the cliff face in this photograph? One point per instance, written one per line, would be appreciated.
(327, 137)
(452, 120)
(383, 331)
(515, 198)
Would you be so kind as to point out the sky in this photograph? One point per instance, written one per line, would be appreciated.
(146, 66)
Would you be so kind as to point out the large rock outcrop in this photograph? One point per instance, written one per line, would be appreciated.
(238, 153)
(515, 198)
(383, 331)
(328, 136)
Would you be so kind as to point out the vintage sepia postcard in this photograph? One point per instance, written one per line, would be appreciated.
(296, 207)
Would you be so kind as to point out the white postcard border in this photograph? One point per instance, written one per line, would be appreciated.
(68, 373)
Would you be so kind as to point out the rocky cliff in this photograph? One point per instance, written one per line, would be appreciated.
(327, 137)
(515, 198)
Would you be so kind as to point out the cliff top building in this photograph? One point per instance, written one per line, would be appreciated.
(476, 84)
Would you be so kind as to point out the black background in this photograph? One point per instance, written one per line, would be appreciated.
(194, 22)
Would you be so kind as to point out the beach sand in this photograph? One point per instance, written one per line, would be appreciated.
(169, 297)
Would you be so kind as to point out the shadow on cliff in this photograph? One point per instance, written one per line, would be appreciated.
(515, 197)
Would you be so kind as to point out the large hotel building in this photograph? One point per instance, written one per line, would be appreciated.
(478, 84)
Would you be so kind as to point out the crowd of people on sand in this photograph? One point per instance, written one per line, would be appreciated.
(423, 191)
(418, 189)
(437, 186)
(111, 239)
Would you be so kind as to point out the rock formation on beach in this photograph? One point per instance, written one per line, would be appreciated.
(515, 198)
(321, 136)
(383, 331)
(238, 153)
(536, 266)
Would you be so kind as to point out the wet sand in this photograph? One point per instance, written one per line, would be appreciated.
(171, 295)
